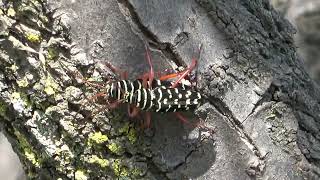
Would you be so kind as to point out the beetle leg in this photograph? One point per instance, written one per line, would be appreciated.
(132, 112)
(192, 66)
(117, 71)
(182, 118)
(185, 73)
(147, 119)
(151, 72)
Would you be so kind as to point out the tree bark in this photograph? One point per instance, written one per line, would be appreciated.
(306, 20)
(261, 102)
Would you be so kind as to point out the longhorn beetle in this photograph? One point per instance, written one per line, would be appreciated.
(153, 95)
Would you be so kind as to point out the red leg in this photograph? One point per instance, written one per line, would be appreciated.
(114, 104)
(144, 78)
(145, 82)
(134, 112)
(170, 76)
(151, 72)
(189, 69)
(111, 105)
(193, 125)
(185, 73)
(122, 74)
(78, 75)
(157, 74)
(107, 106)
(96, 96)
(147, 119)
(182, 118)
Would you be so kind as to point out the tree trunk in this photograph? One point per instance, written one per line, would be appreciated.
(307, 39)
(259, 99)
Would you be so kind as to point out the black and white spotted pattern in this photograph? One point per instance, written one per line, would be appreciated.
(175, 99)
(166, 99)
(123, 90)
(161, 98)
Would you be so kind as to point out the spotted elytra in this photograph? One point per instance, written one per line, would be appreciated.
(163, 99)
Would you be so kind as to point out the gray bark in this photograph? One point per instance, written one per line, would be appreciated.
(263, 105)
(305, 17)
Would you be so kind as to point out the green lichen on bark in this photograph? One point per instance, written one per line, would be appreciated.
(43, 105)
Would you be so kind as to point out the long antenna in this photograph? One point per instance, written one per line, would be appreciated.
(199, 57)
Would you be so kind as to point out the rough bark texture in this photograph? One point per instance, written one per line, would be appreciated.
(305, 15)
(260, 100)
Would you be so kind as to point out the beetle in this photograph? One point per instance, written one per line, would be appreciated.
(150, 94)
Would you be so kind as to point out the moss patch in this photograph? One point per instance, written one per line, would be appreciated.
(20, 101)
(50, 86)
(101, 162)
(116, 166)
(124, 129)
(23, 82)
(130, 132)
(3, 109)
(136, 172)
(80, 175)
(34, 38)
(52, 53)
(115, 148)
(27, 149)
(11, 12)
(132, 136)
(14, 67)
(97, 138)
